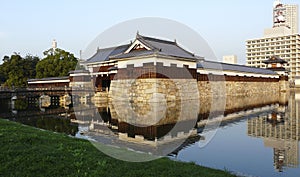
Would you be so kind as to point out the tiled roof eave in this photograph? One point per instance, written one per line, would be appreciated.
(273, 73)
(156, 55)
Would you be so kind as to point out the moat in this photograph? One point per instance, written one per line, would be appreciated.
(258, 135)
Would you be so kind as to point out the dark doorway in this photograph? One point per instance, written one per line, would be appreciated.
(105, 85)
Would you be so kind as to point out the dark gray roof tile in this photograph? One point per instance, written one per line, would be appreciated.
(274, 59)
(162, 47)
(104, 54)
(49, 79)
(169, 48)
(233, 67)
(133, 54)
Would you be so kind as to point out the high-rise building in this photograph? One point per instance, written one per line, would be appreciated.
(231, 59)
(292, 19)
(281, 40)
(285, 15)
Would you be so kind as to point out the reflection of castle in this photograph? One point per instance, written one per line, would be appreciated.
(281, 132)
(153, 128)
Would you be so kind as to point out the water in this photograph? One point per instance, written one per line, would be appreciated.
(259, 135)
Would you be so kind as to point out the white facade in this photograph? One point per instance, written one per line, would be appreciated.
(282, 40)
(286, 47)
(292, 20)
(231, 59)
(54, 44)
(285, 15)
(166, 61)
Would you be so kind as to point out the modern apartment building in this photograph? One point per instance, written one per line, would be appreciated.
(281, 40)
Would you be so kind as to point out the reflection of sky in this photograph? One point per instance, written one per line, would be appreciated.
(234, 150)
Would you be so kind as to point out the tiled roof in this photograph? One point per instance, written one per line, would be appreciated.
(274, 59)
(49, 79)
(159, 46)
(233, 67)
(133, 54)
(78, 71)
(278, 69)
(104, 54)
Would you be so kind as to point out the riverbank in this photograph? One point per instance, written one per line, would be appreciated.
(27, 151)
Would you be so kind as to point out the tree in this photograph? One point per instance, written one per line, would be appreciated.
(30, 65)
(15, 70)
(56, 63)
(3, 75)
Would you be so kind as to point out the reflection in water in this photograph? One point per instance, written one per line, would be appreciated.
(280, 130)
(176, 127)
(28, 112)
(157, 128)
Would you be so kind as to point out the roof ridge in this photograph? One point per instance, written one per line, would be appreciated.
(141, 38)
(156, 39)
(113, 47)
(123, 45)
(238, 65)
(166, 42)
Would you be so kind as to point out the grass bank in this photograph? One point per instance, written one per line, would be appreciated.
(27, 151)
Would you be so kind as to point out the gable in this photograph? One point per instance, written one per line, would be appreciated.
(137, 45)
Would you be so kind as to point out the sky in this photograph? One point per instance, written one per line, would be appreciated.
(28, 27)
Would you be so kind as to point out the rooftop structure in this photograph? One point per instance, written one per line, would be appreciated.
(231, 59)
(281, 40)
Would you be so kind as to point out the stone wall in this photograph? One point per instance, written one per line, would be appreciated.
(153, 90)
(236, 88)
(170, 90)
(231, 104)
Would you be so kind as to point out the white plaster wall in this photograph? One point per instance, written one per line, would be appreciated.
(166, 62)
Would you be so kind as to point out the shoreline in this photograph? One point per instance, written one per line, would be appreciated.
(28, 151)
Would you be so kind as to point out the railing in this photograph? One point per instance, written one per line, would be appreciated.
(49, 88)
(46, 89)
(7, 89)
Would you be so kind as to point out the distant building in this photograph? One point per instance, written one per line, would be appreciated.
(54, 44)
(230, 59)
(276, 64)
(281, 40)
(285, 15)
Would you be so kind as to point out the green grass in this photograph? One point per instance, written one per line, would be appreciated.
(27, 151)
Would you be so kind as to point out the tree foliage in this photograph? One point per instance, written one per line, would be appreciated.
(15, 70)
(56, 63)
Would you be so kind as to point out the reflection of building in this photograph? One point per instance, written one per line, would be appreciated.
(141, 128)
(280, 130)
(282, 40)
